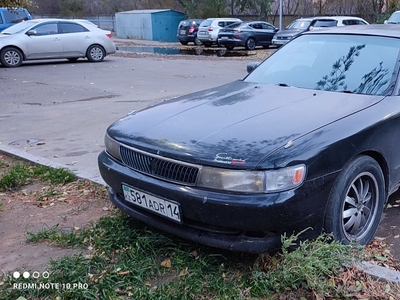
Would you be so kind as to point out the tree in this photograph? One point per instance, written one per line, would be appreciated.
(16, 3)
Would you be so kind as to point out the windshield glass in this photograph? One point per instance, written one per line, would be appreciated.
(394, 18)
(299, 24)
(17, 28)
(343, 63)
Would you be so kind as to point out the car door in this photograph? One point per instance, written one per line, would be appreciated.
(75, 39)
(43, 41)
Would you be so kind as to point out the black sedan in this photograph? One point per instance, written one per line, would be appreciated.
(307, 142)
(247, 34)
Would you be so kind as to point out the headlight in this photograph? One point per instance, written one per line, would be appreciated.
(252, 181)
(112, 147)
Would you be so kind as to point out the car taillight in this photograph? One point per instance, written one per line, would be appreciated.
(191, 29)
(109, 35)
(239, 31)
(210, 28)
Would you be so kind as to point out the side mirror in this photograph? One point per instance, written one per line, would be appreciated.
(385, 22)
(251, 66)
(31, 32)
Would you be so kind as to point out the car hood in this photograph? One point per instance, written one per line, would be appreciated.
(289, 32)
(235, 124)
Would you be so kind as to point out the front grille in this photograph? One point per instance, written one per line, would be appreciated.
(159, 167)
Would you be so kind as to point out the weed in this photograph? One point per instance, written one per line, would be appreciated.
(122, 259)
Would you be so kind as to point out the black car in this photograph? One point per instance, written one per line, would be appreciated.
(247, 34)
(187, 31)
(307, 142)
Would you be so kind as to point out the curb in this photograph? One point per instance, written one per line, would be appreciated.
(375, 271)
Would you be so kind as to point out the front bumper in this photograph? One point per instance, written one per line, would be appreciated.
(239, 222)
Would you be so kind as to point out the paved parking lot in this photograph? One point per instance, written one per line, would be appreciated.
(57, 111)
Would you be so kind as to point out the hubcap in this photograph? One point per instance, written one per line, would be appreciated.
(360, 206)
(96, 53)
(12, 58)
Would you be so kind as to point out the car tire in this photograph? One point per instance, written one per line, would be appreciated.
(250, 44)
(95, 53)
(184, 43)
(11, 57)
(197, 42)
(356, 202)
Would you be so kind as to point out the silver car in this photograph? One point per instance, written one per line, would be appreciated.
(54, 38)
(209, 29)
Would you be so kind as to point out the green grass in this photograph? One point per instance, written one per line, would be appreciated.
(124, 259)
(23, 174)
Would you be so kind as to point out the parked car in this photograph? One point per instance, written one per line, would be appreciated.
(247, 34)
(307, 142)
(187, 31)
(54, 38)
(394, 18)
(209, 29)
(9, 17)
(301, 25)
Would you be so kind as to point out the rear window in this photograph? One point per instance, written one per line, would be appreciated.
(206, 23)
(325, 23)
(299, 24)
(15, 16)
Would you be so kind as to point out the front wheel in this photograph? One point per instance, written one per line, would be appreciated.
(197, 42)
(95, 53)
(356, 202)
(11, 57)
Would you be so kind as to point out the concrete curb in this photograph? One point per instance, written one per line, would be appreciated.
(375, 271)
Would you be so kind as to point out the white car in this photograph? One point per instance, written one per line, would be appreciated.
(209, 29)
(53, 39)
(299, 26)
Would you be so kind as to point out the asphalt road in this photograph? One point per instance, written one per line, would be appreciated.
(60, 110)
(56, 112)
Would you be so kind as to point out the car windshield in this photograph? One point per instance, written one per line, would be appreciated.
(17, 28)
(299, 24)
(394, 18)
(343, 63)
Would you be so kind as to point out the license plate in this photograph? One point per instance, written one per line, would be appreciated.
(166, 208)
(224, 37)
(182, 31)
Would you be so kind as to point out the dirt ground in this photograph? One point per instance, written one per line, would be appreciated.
(77, 205)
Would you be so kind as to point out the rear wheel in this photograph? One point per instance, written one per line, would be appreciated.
(95, 53)
(356, 202)
(250, 44)
(11, 57)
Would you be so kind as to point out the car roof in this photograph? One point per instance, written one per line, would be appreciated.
(385, 30)
(330, 18)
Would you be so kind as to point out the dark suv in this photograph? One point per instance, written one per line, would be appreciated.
(187, 31)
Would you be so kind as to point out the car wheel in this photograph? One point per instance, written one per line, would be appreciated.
(229, 47)
(11, 57)
(184, 43)
(197, 42)
(356, 202)
(95, 53)
(250, 44)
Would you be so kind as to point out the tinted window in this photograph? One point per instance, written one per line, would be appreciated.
(46, 29)
(71, 27)
(15, 16)
(206, 23)
(299, 24)
(325, 23)
(356, 64)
